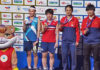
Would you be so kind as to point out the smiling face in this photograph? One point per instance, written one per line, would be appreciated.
(32, 12)
(49, 16)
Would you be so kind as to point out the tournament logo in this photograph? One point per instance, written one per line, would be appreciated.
(6, 15)
(76, 10)
(77, 3)
(90, 2)
(40, 9)
(18, 16)
(7, 7)
(6, 22)
(19, 42)
(55, 9)
(39, 2)
(18, 48)
(80, 18)
(41, 17)
(18, 29)
(29, 1)
(17, 1)
(4, 58)
(64, 3)
(25, 9)
(18, 8)
(5, 1)
(53, 2)
(20, 35)
(17, 23)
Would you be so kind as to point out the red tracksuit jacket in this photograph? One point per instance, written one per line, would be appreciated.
(71, 32)
(93, 34)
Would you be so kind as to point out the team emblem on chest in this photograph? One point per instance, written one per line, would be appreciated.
(4, 58)
(72, 24)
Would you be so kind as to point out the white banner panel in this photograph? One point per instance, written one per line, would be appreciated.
(18, 29)
(6, 22)
(29, 2)
(6, 15)
(77, 3)
(64, 2)
(18, 22)
(17, 16)
(41, 2)
(53, 2)
(6, 1)
(18, 48)
(90, 2)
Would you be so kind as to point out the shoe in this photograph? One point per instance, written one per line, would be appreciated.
(29, 69)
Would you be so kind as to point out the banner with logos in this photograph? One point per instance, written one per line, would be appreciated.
(13, 12)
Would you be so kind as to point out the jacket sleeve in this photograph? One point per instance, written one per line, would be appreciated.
(83, 26)
(61, 25)
(77, 31)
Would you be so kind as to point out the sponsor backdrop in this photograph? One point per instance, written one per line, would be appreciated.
(13, 12)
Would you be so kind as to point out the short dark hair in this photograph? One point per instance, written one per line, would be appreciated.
(49, 11)
(32, 6)
(90, 7)
(69, 6)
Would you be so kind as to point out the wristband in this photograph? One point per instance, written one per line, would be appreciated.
(37, 39)
(15, 68)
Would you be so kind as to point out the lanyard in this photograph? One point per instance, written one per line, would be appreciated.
(49, 22)
(88, 24)
(29, 21)
(67, 20)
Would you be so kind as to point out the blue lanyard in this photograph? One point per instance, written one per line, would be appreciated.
(88, 24)
(67, 20)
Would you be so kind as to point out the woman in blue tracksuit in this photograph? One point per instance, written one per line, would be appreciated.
(70, 38)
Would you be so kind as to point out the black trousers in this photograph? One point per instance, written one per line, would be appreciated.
(87, 50)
